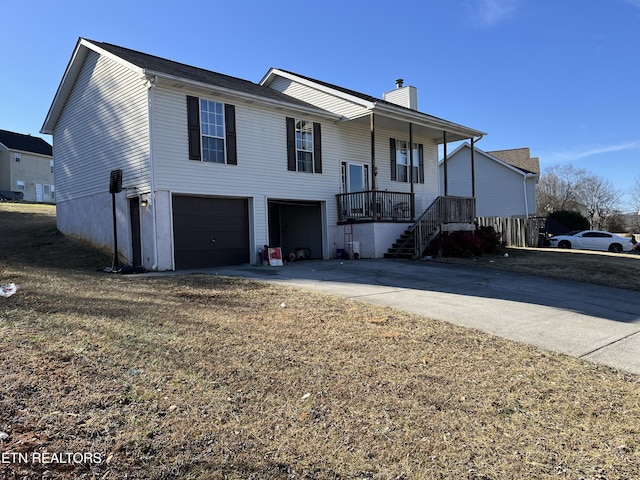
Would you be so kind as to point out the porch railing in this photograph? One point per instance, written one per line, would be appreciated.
(442, 210)
(375, 205)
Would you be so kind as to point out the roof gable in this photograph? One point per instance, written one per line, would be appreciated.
(151, 65)
(374, 104)
(488, 155)
(25, 143)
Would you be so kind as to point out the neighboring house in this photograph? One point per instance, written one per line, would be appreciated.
(26, 168)
(215, 167)
(503, 182)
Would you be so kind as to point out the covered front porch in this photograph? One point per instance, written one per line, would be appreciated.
(385, 223)
(375, 206)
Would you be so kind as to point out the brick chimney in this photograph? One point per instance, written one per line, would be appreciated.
(404, 96)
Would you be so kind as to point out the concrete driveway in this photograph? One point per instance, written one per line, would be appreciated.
(598, 324)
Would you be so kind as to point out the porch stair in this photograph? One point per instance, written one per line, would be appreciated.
(443, 210)
(403, 247)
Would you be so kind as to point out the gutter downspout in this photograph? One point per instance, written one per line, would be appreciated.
(526, 200)
(152, 84)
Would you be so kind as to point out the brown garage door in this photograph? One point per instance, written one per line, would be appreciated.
(210, 232)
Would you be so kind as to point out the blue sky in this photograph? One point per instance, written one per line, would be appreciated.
(561, 77)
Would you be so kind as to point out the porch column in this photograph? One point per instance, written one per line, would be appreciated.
(444, 164)
(373, 151)
(411, 179)
(473, 167)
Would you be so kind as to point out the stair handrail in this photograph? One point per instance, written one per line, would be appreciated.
(442, 210)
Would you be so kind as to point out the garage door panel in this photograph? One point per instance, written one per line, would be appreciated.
(210, 232)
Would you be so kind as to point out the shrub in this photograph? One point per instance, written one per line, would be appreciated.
(489, 237)
(466, 244)
(571, 220)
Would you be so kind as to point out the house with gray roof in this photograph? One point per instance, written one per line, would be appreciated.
(210, 168)
(503, 182)
(26, 168)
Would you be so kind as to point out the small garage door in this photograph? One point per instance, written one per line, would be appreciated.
(210, 232)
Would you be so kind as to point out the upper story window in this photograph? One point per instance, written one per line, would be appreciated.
(51, 165)
(304, 148)
(304, 145)
(18, 157)
(212, 131)
(401, 161)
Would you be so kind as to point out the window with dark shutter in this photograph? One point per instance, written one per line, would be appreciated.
(304, 146)
(230, 133)
(317, 148)
(193, 125)
(205, 128)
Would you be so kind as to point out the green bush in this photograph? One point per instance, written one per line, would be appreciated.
(571, 220)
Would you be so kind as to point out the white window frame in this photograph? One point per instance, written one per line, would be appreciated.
(304, 145)
(402, 167)
(20, 185)
(212, 129)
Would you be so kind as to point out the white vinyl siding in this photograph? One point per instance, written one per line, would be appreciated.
(261, 172)
(318, 98)
(426, 192)
(499, 188)
(107, 113)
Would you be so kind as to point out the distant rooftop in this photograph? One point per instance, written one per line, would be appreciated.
(25, 143)
(519, 158)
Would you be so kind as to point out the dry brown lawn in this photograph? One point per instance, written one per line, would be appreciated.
(209, 377)
(599, 268)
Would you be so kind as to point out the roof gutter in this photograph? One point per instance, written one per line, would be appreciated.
(419, 118)
(247, 96)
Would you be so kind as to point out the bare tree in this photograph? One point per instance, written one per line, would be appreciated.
(559, 188)
(635, 195)
(600, 199)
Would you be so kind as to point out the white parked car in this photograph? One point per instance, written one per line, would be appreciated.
(592, 240)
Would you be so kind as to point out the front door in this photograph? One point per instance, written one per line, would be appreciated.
(355, 178)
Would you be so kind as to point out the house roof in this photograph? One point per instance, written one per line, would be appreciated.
(155, 67)
(518, 157)
(151, 65)
(25, 143)
(522, 171)
(455, 131)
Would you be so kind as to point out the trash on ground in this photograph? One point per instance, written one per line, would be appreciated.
(8, 289)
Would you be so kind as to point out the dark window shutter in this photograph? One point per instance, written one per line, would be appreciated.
(230, 134)
(291, 144)
(317, 148)
(193, 121)
(392, 147)
(420, 163)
